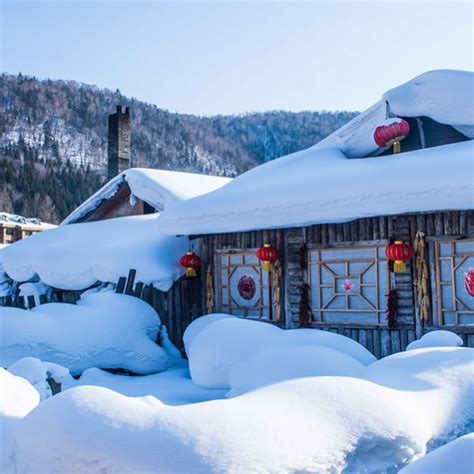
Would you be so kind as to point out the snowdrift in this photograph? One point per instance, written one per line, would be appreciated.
(105, 330)
(216, 343)
(316, 424)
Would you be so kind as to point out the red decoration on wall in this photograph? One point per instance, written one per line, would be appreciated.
(388, 135)
(347, 285)
(191, 262)
(399, 252)
(268, 255)
(247, 287)
(469, 282)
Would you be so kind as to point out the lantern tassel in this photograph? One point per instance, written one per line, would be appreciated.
(399, 266)
(268, 266)
(396, 147)
(190, 272)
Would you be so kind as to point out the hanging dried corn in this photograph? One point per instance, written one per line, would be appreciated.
(422, 276)
(276, 293)
(210, 297)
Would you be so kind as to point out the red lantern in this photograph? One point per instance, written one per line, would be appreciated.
(268, 255)
(469, 282)
(191, 262)
(399, 252)
(388, 135)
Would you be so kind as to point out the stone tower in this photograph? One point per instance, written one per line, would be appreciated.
(119, 141)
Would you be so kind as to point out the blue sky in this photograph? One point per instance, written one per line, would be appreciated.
(231, 57)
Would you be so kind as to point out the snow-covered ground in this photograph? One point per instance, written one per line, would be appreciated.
(290, 401)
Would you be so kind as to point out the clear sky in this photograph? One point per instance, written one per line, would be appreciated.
(231, 57)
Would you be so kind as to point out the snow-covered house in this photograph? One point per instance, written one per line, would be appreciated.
(113, 238)
(333, 209)
(14, 227)
(139, 191)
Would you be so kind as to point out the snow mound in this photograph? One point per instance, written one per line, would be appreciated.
(17, 399)
(329, 339)
(38, 372)
(281, 363)
(436, 339)
(316, 424)
(215, 343)
(456, 457)
(221, 344)
(105, 330)
(75, 257)
(198, 325)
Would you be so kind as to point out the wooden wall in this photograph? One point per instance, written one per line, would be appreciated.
(379, 340)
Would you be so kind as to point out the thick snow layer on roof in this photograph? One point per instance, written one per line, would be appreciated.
(320, 185)
(161, 189)
(445, 96)
(105, 330)
(31, 223)
(340, 424)
(76, 256)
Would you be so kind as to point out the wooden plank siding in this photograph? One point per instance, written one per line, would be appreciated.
(379, 340)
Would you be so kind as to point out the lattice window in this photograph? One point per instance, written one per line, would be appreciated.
(453, 260)
(349, 284)
(242, 287)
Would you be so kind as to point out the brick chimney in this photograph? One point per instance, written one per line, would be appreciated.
(119, 142)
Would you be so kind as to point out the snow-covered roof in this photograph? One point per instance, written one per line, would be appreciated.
(76, 256)
(320, 185)
(161, 189)
(445, 96)
(31, 223)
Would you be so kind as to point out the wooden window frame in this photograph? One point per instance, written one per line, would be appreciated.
(375, 245)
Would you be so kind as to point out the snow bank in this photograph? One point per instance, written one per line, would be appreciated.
(281, 363)
(159, 188)
(105, 330)
(198, 325)
(315, 424)
(172, 387)
(38, 372)
(216, 343)
(75, 257)
(221, 344)
(456, 457)
(17, 398)
(436, 339)
(320, 182)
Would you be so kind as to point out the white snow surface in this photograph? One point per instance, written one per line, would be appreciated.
(280, 363)
(456, 457)
(38, 372)
(17, 398)
(438, 338)
(105, 330)
(320, 185)
(161, 189)
(322, 424)
(75, 257)
(220, 343)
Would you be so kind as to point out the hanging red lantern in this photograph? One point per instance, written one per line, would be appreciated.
(399, 252)
(268, 255)
(392, 134)
(469, 282)
(191, 262)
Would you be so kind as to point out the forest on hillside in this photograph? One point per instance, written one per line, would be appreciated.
(53, 141)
